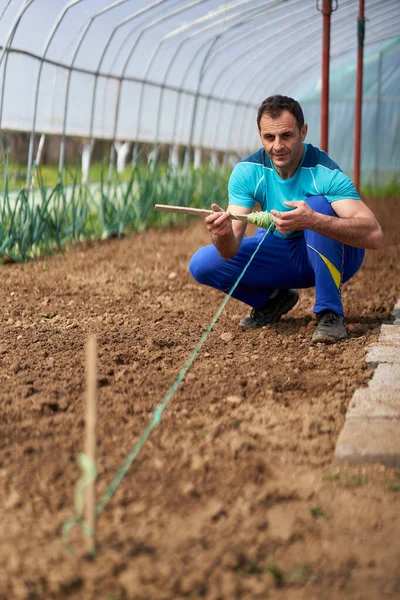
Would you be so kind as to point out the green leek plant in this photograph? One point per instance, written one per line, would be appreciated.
(43, 220)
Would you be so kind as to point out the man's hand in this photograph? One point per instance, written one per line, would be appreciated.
(226, 234)
(220, 222)
(355, 224)
(301, 217)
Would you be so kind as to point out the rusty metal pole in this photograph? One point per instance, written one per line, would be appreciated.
(359, 91)
(326, 43)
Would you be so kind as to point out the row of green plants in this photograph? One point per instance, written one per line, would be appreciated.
(47, 219)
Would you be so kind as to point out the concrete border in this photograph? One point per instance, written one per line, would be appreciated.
(371, 432)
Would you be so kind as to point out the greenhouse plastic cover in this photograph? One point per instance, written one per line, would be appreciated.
(193, 72)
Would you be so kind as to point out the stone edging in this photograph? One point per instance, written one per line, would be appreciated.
(371, 432)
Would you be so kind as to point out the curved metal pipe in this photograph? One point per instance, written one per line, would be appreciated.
(117, 55)
(172, 61)
(38, 77)
(103, 11)
(195, 108)
(5, 9)
(250, 91)
(121, 79)
(5, 51)
(246, 87)
(183, 80)
(148, 66)
(310, 67)
(233, 61)
(168, 36)
(262, 11)
(346, 47)
(104, 51)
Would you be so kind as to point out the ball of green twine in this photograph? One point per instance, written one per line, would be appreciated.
(261, 219)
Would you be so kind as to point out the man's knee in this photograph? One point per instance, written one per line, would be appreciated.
(199, 267)
(321, 205)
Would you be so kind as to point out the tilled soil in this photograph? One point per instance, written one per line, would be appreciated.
(236, 494)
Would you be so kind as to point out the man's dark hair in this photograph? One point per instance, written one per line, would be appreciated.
(275, 105)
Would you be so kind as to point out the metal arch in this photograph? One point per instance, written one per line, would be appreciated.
(337, 54)
(5, 9)
(5, 52)
(81, 38)
(105, 48)
(266, 9)
(56, 25)
(119, 80)
(174, 131)
(195, 108)
(343, 50)
(125, 66)
(189, 38)
(255, 57)
(183, 79)
(152, 57)
(305, 26)
(13, 28)
(124, 41)
(234, 115)
(373, 26)
(250, 91)
(271, 10)
(178, 49)
(38, 78)
(378, 38)
(348, 46)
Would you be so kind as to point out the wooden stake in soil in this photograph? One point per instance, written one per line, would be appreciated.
(90, 438)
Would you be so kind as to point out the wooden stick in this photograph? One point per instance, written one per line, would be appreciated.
(90, 441)
(187, 210)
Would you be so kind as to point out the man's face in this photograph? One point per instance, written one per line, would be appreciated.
(283, 141)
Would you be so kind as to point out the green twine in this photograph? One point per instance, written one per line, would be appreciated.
(89, 474)
(155, 420)
(262, 219)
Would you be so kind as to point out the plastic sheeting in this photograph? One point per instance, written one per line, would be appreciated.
(192, 72)
(380, 117)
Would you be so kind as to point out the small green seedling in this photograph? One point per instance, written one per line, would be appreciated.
(317, 511)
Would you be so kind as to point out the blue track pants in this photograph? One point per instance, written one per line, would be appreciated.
(282, 263)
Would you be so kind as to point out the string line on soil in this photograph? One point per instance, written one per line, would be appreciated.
(156, 419)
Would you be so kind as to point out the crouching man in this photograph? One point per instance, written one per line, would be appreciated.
(321, 227)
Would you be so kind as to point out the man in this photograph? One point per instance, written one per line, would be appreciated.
(321, 227)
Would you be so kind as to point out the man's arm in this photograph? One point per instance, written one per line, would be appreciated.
(356, 226)
(226, 234)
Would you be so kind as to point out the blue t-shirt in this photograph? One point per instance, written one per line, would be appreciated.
(255, 179)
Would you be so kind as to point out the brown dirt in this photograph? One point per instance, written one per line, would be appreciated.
(237, 493)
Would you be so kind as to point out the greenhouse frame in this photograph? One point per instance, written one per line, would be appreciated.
(188, 75)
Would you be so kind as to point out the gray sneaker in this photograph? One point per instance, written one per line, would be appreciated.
(272, 310)
(330, 328)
